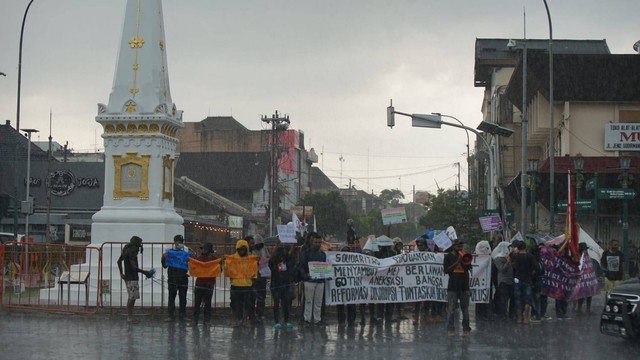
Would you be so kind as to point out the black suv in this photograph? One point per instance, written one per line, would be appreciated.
(621, 314)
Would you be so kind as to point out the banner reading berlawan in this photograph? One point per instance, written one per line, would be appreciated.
(411, 277)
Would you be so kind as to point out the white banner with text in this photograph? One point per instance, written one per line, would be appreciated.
(410, 277)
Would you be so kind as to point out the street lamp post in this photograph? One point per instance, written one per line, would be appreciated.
(28, 204)
(578, 164)
(625, 181)
(24, 20)
(533, 168)
(552, 150)
(435, 121)
(468, 153)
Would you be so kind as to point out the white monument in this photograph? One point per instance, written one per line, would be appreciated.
(139, 123)
(139, 126)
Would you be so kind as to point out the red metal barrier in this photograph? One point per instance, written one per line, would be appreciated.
(49, 277)
(81, 279)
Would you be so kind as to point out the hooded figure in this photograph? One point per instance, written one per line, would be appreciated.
(242, 251)
(241, 289)
(483, 248)
(503, 249)
(398, 245)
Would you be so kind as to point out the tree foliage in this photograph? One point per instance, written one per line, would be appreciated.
(330, 212)
(391, 197)
(449, 208)
(371, 224)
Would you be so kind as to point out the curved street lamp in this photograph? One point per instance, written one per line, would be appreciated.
(24, 19)
(434, 120)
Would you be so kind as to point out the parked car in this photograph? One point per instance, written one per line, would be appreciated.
(621, 313)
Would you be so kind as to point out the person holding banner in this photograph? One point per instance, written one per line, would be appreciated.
(421, 308)
(203, 291)
(241, 269)
(350, 316)
(313, 288)
(281, 263)
(175, 261)
(502, 260)
(458, 287)
(259, 293)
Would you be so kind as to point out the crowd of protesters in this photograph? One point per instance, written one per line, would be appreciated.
(283, 270)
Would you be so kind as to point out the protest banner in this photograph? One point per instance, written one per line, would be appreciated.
(559, 274)
(393, 216)
(241, 267)
(287, 233)
(442, 240)
(208, 269)
(176, 259)
(320, 270)
(410, 277)
(587, 284)
(263, 267)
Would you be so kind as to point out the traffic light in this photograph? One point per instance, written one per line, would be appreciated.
(391, 118)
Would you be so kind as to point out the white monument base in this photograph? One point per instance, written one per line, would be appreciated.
(120, 224)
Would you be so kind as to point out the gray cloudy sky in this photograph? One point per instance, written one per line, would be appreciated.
(332, 65)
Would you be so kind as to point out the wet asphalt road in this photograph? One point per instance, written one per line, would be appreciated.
(31, 335)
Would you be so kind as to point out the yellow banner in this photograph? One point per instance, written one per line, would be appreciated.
(241, 268)
(208, 269)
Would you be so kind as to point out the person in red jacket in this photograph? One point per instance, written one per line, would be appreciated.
(204, 286)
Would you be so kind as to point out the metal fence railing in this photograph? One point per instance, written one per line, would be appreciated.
(49, 277)
(84, 279)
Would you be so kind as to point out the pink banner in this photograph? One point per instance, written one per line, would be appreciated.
(562, 279)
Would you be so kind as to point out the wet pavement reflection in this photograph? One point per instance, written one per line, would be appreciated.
(30, 335)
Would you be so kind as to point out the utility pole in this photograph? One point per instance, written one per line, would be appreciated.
(48, 182)
(459, 184)
(278, 124)
(341, 162)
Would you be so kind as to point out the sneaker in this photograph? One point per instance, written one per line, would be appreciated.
(451, 333)
(306, 324)
(170, 319)
(277, 326)
(288, 326)
(547, 318)
(319, 323)
(465, 333)
(535, 320)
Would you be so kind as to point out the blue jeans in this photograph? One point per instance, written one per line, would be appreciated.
(522, 294)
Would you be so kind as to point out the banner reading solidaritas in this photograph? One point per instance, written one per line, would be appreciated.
(241, 267)
(410, 277)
